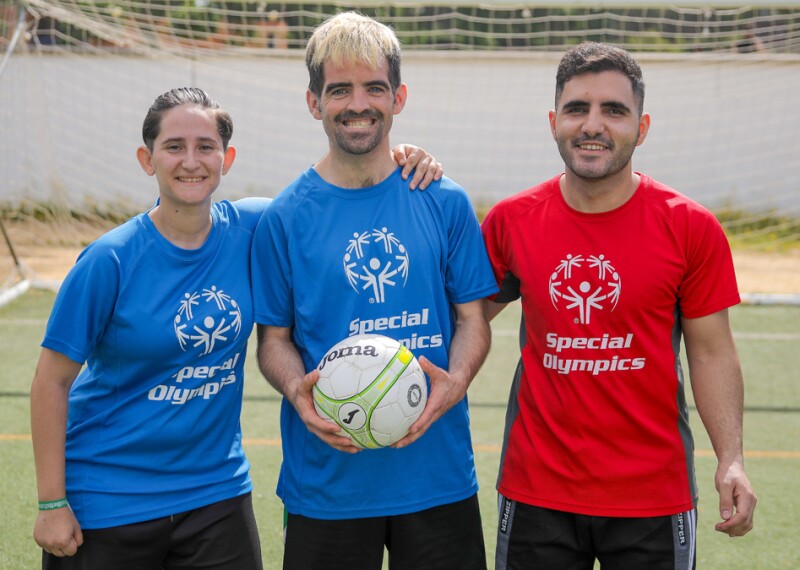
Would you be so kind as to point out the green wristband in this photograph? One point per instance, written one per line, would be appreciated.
(52, 505)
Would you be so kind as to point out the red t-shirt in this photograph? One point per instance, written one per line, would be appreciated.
(598, 422)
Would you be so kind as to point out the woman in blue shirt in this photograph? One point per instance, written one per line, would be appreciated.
(139, 457)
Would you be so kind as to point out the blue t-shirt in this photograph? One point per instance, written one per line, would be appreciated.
(153, 426)
(332, 262)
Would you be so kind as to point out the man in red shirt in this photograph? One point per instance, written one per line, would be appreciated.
(613, 268)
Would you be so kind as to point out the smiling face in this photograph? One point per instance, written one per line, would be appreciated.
(356, 106)
(188, 156)
(597, 126)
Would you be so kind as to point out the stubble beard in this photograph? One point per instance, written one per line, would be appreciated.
(598, 169)
(358, 144)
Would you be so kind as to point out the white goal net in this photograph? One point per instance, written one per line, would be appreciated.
(722, 88)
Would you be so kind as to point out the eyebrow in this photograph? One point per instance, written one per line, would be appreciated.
(379, 83)
(334, 86)
(605, 105)
(182, 139)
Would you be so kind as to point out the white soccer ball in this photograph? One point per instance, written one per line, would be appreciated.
(371, 386)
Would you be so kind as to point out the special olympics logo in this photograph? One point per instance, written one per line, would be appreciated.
(375, 260)
(206, 318)
(585, 284)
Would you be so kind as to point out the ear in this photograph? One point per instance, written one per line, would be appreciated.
(145, 160)
(313, 105)
(552, 118)
(400, 98)
(230, 156)
(644, 127)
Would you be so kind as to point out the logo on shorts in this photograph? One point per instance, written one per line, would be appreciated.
(205, 319)
(505, 515)
(681, 529)
(584, 285)
(375, 260)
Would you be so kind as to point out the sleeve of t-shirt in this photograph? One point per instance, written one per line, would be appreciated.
(250, 209)
(508, 283)
(709, 284)
(84, 304)
(271, 270)
(468, 275)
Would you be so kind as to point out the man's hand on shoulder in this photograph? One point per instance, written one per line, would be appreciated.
(414, 159)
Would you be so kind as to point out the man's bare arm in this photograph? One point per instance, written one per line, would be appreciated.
(282, 366)
(718, 388)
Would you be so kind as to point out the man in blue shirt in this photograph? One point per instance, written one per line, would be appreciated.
(347, 249)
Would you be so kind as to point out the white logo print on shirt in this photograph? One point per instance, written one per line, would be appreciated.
(375, 260)
(585, 284)
(205, 318)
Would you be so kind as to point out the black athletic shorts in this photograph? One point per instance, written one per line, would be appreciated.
(533, 538)
(221, 536)
(448, 537)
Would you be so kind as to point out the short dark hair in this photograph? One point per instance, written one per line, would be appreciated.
(179, 96)
(595, 57)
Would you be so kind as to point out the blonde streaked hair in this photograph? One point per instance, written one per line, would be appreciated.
(351, 37)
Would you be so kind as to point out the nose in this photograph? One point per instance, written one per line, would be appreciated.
(593, 124)
(359, 102)
(190, 159)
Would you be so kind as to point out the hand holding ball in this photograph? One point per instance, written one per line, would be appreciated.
(373, 387)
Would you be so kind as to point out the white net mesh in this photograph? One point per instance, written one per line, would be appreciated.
(722, 89)
(175, 25)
